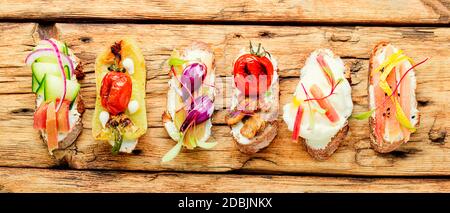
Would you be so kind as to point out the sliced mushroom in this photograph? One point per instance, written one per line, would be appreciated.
(253, 124)
(234, 117)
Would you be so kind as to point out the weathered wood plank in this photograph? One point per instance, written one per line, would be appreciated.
(291, 46)
(45, 180)
(307, 11)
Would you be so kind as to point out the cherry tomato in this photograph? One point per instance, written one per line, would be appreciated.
(253, 70)
(115, 92)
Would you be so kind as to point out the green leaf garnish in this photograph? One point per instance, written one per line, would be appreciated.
(268, 93)
(363, 115)
(176, 61)
(172, 153)
(65, 49)
(193, 141)
(118, 139)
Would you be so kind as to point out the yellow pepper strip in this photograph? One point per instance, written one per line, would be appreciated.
(388, 61)
(400, 115)
(391, 66)
(312, 121)
(297, 102)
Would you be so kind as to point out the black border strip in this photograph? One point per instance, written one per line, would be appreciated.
(96, 20)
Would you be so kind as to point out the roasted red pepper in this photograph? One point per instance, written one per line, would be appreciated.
(115, 92)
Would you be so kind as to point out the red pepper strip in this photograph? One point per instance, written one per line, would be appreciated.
(331, 112)
(326, 69)
(297, 124)
(52, 127)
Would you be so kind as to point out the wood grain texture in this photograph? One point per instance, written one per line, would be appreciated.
(291, 11)
(427, 153)
(45, 180)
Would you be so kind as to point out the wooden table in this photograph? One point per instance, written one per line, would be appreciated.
(290, 30)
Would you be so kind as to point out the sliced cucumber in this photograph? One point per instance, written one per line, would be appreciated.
(40, 69)
(54, 86)
(67, 71)
(65, 49)
(47, 59)
(41, 89)
(34, 83)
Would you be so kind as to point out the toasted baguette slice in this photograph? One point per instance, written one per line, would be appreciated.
(76, 109)
(260, 141)
(325, 153)
(380, 144)
(321, 143)
(198, 134)
(266, 109)
(133, 125)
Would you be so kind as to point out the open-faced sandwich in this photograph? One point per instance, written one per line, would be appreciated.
(321, 105)
(393, 114)
(120, 110)
(254, 100)
(190, 99)
(59, 107)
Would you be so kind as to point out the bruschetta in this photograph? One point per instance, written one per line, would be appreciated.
(190, 98)
(59, 106)
(120, 109)
(321, 105)
(392, 98)
(254, 101)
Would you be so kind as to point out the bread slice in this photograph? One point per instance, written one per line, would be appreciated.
(325, 153)
(269, 114)
(260, 141)
(322, 146)
(381, 146)
(132, 125)
(263, 138)
(197, 51)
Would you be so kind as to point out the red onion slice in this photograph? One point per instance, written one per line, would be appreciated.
(37, 54)
(63, 73)
(66, 60)
(203, 110)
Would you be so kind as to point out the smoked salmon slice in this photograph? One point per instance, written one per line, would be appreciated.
(393, 96)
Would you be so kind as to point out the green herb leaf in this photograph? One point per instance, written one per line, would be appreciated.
(65, 49)
(176, 61)
(118, 139)
(363, 115)
(172, 153)
(268, 93)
